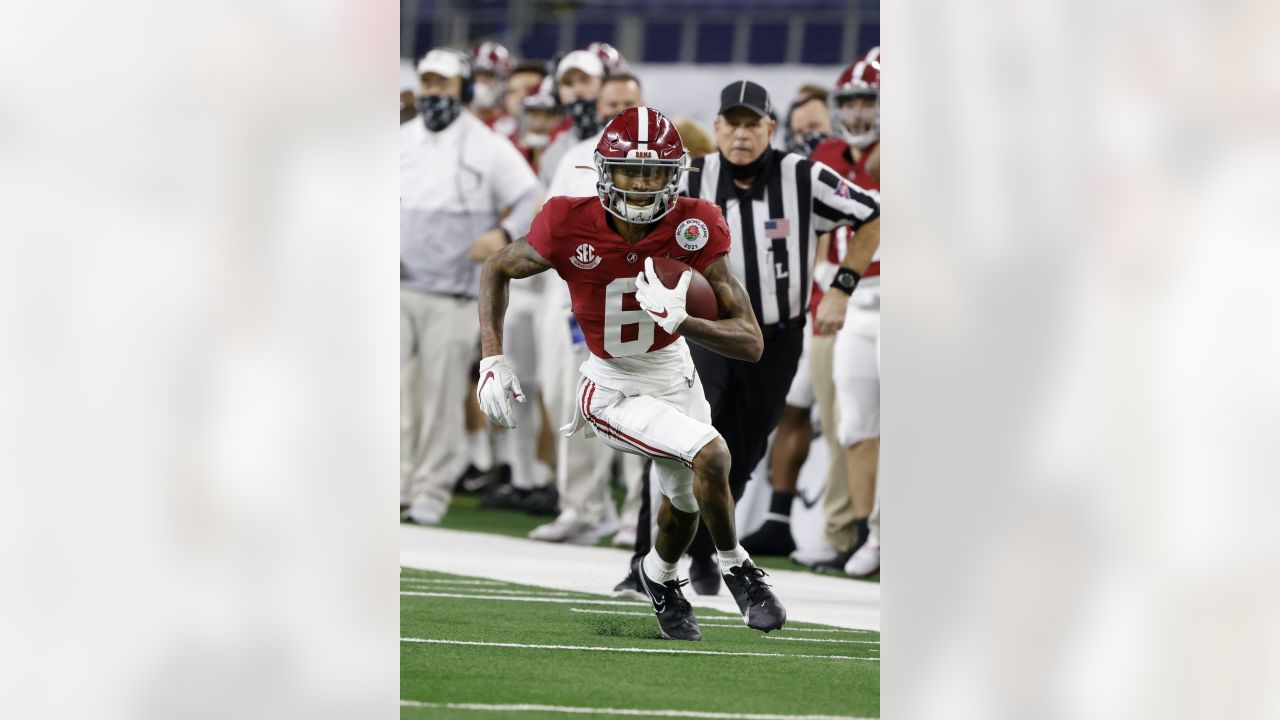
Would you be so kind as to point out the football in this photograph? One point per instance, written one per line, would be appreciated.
(699, 299)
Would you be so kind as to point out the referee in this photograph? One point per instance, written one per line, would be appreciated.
(776, 203)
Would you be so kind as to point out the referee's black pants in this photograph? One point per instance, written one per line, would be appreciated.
(747, 400)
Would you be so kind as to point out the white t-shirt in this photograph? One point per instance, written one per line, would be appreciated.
(454, 184)
(571, 181)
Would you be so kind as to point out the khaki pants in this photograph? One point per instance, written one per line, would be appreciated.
(582, 464)
(836, 504)
(437, 342)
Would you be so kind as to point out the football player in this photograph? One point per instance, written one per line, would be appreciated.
(490, 64)
(639, 392)
(856, 114)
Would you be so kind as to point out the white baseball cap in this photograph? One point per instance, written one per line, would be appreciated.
(442, 62)
(587, 62)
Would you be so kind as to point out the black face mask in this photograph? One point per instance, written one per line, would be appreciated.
(439, 111)
(805, 144)
(585, 122)
(751, 169)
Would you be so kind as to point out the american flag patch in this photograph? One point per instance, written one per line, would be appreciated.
(775, 229)
(843, 190)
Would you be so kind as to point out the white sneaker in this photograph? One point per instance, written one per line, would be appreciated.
(557, 531)
(424, 512)
(812, 555)
(626, 537)
(865, 562)
(595, 533)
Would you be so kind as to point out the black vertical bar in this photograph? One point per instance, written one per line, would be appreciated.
(749, 255)
(804, 199)
(695, 178)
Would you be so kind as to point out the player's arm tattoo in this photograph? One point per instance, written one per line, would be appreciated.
(736, 334)
(517, 260)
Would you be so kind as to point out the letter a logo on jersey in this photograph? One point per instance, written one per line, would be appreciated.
(692, 234)
(585, 257)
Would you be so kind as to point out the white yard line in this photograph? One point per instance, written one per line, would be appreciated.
(503, 590)
(520, 598)
(657, 651)
(826, 640)
(619, 711)
(714, 624)
(613, 612)
(433, 581)
(785, 630)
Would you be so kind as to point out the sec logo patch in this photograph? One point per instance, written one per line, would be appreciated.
(692, 234)
(585, 257)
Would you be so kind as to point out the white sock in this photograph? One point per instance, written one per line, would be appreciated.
(500, 454)
(732, 558)
(479, 450)
(657, 569)
(542, 475)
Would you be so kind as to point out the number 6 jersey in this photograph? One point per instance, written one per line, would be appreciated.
(600, 268)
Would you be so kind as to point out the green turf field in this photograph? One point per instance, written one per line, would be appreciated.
(464, 514)
(609, 655)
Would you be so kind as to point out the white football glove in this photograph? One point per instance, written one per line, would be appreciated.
(498, 384)
(665, 305)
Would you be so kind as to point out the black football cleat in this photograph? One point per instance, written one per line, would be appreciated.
(675, 614)
(704, 574)
(471, 473)
(486, 481)
(760, 609)
(543, 501)
(504, 497)
(773, 538)
(834, 566)
(630, 587)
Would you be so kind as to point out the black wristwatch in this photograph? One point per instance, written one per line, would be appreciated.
(845, 280)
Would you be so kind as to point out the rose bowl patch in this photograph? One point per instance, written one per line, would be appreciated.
(692, 234)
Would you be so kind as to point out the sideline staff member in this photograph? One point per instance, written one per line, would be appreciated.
(456, 178)
(776, 203)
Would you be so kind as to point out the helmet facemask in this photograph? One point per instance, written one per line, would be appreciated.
(859, 124)
(639, 206)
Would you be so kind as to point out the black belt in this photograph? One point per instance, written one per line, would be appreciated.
(782, 330)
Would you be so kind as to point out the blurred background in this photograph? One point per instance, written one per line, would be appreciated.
(757, 32)
(198, 361)
(683, 52)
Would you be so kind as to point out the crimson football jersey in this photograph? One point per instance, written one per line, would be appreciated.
(835, 154)
(600, 268)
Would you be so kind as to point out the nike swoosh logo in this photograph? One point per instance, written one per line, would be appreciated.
(487, 377)
(660, 314)
(657, 606)
(807, 502)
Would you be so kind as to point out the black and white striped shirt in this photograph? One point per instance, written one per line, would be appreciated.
(775, 224)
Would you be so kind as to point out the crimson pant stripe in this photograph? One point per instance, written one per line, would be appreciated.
(623, 437)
